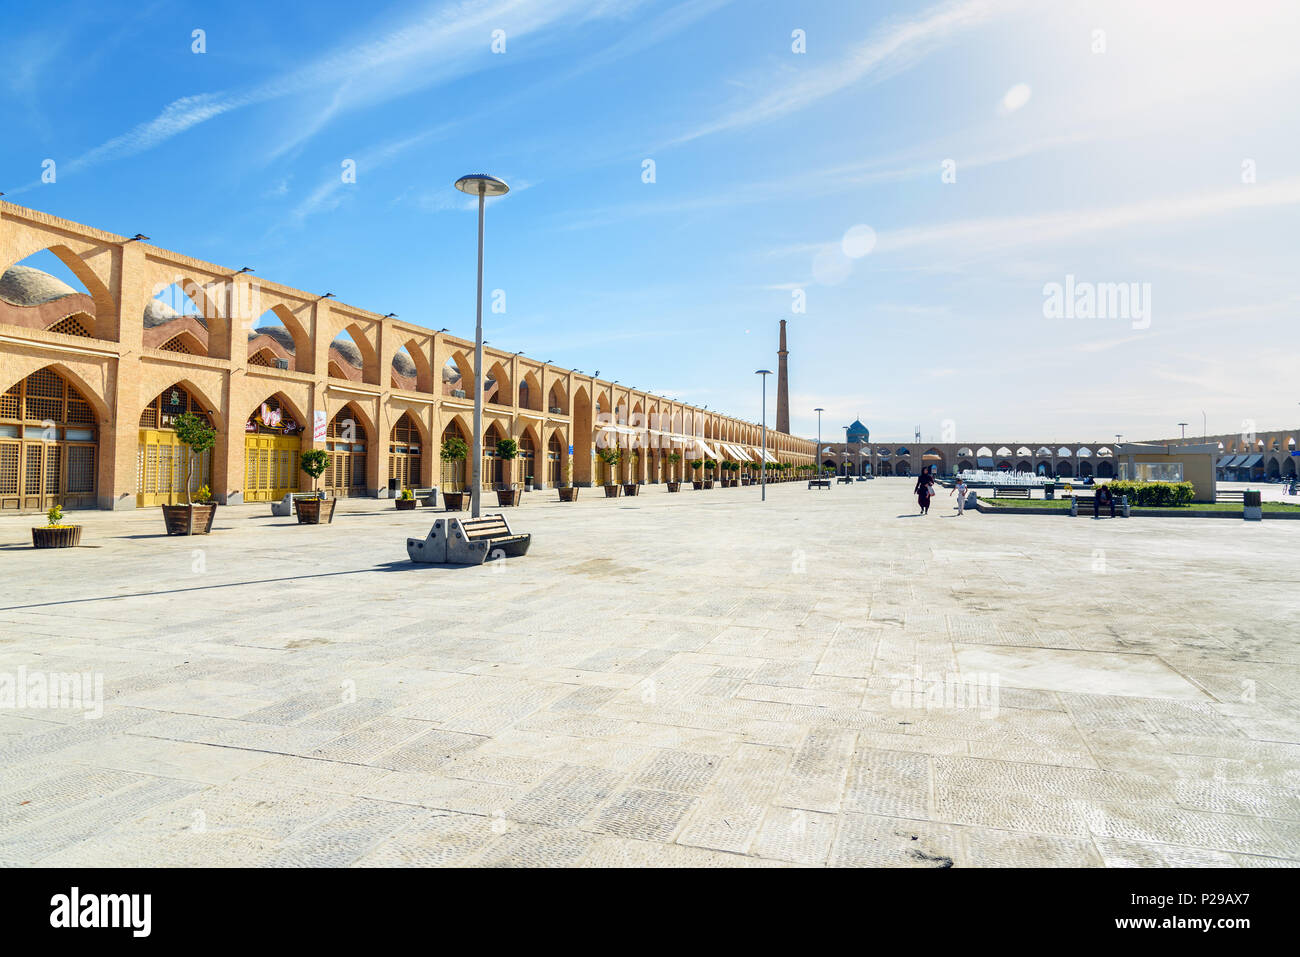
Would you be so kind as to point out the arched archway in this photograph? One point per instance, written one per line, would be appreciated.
(406, 452)
(556, 458)
(272, 450)
(103, 314)
(163, 464)
(557, 403)
(453, 474)
(1105, 470)
(582, 437)
(1064, 470)
(347, 442)
(527, 465)
(49, 443)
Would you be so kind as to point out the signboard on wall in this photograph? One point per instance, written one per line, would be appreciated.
(319, 426)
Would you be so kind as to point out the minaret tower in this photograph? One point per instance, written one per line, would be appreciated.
(782, 387)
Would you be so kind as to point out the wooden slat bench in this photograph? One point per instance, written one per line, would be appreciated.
(845, 480)
(1012, 493)
(284, 507)
(1230, 495)
(819, 483)
(468, 541)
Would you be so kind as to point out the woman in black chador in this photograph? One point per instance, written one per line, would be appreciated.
(924, 491)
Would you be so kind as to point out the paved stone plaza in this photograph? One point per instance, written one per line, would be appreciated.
(695, 679)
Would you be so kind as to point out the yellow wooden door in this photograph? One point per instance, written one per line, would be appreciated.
(270, 466)
(160, 469)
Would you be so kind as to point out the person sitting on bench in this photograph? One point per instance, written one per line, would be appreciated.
(1103, 496)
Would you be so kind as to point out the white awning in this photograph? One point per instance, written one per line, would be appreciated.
(770, 459)
(702, 446)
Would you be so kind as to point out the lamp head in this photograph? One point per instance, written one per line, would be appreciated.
(481, 184)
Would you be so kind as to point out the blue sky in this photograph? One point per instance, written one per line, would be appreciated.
(1163, 151)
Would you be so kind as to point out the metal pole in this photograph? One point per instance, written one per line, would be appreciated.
(476, 492)
(763, 477)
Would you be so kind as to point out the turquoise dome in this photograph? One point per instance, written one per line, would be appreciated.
(858, 432)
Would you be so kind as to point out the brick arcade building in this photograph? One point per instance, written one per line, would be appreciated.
(91, 381)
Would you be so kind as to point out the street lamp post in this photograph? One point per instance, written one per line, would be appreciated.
(1183, 426)
(819, 412)
(482, 186)
(762, 479)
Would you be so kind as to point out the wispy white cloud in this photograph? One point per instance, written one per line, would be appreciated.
(445, 43)
(1002, 233)
(891, 48)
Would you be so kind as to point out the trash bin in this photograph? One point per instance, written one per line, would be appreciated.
(394, 487)
(1049, 490)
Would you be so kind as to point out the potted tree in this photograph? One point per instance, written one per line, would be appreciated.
(710, 466)
(507, 492)
(191, 519)
(55, 534)
(673, 459)
(631, 487)
(454, 449)
(405, 500)
(316, 510)
(611, 457)
(696, 465)
(568, 491)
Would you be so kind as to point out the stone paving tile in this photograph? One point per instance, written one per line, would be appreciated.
(435, 840)
(444, 793)
(866, 840)
(625, 852)
(643, 814)
(733, 808)
(796, 835)
(339, 839)
(816, 779)
(523, 846)
(683, 772)
(1117, 853)
(890, 783)
(565, 797)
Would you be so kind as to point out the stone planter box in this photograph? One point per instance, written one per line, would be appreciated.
(405, 504)
(674, 486)
(315, 511)
(708, 483)
(58, 536)
(507, 498)
(188, 519)
(568, 494)
(454, 501)
(611, 491)
(631, 488)
(697, 485)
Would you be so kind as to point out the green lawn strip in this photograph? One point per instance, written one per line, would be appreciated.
(1198, 507)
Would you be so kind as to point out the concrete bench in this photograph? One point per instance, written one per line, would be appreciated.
(426, 496)
(819, 483)
(468, 541)
(1011, 493)
(845, 480)
(284, 507)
